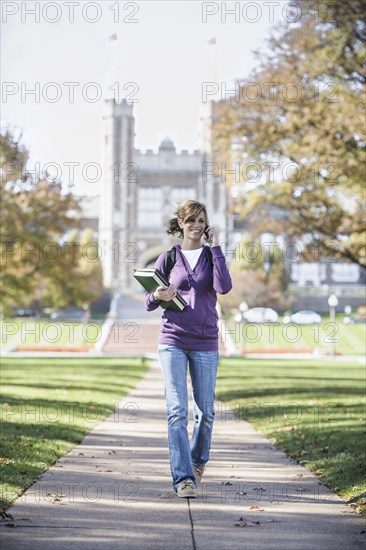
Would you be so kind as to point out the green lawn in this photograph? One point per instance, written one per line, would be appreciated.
(14, 333)
(312, 410)
(350, 339)
(48, 405)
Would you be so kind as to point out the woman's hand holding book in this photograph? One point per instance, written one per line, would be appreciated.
(165, 293)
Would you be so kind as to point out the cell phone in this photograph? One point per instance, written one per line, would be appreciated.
(208, 238)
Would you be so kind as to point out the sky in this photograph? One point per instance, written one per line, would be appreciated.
(157, 52)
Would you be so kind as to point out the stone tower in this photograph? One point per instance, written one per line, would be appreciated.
(118, 197)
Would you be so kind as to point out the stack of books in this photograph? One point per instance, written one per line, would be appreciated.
(150, 279)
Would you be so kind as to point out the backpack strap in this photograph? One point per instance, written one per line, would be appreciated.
(169, 261)
(170, 256)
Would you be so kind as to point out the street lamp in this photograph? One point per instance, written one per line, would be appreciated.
(243, 307)
(332, 303)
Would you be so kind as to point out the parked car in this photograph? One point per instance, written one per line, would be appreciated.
(260, 315)
(24, 312)
(352, 320)
(68, 315)
(303, 317)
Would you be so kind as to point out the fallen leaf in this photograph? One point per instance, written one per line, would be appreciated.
(242, 522)
(256, 508)
(55, 497)
(226, 483)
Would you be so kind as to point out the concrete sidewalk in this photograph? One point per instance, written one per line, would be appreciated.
(113, 491)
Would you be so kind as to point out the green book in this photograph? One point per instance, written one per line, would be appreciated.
(150, 279)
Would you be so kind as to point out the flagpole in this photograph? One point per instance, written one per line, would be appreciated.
(112, 68)
(215, 71)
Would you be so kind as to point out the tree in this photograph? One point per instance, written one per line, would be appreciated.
(259, 278)
(84, 282)
(35, 256)
(305, 131)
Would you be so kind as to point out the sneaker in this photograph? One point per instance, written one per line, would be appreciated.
(198, 472)
(186, 489)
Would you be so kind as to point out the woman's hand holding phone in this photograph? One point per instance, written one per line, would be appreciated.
(211, 236)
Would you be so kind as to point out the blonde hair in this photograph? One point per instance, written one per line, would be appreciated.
(186, 210)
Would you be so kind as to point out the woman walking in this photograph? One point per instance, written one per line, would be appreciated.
(189, 338)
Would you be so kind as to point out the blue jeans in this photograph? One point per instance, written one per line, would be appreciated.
(203, 370)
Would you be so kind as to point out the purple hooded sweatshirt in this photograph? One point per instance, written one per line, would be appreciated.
(195, 328)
